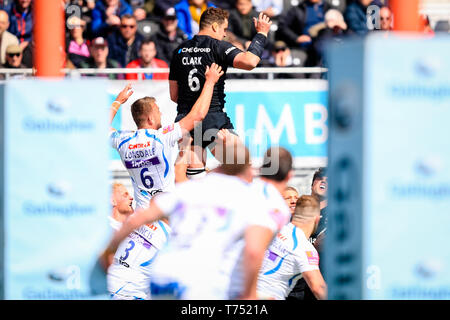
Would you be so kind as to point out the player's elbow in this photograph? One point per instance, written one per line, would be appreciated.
(199, 115)
(319, 290)
(247, 61)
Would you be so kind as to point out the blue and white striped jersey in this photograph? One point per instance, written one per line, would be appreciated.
(149, 156)
(289, 254)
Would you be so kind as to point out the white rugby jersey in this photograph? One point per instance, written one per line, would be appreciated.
(278, 213)
(208, 218)
(289, 254)
(129, 274)
(149, 156)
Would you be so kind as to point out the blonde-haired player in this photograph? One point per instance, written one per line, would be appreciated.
(291, 256)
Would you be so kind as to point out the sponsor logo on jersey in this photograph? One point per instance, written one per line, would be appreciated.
(313, 257)
(229, 50)
(140, 145)
(194, 50)
(168, 128)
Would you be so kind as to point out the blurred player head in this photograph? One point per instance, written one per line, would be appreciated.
(214, 23)
(290, 195)
(121, 202)
(319, 186)
(307, 212)
(277, 165)
(146, 113)
(237, 161)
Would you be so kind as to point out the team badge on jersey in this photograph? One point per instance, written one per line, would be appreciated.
(313, 258)
(168, 129)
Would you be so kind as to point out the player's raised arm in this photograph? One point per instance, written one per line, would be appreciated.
(316, 283)
(257, 239)
(201, 106)
(137, 219)
(121, 98)
(250, 59)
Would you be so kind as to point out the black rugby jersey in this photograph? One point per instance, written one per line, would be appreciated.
(188, 66)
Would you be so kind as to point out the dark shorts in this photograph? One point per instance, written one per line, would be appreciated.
(213, 122)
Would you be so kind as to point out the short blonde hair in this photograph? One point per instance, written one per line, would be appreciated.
(306, 209)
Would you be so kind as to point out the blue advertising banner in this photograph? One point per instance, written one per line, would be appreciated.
(56, 189)
(407, 194)
(290, 113)
(389, 169)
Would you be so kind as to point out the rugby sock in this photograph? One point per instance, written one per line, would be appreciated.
(195, 173)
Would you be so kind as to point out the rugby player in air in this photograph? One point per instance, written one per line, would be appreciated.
(187, 78)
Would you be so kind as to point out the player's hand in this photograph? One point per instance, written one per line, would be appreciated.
(223, 134)
(262, 24)
(125, 94)
(213, 73)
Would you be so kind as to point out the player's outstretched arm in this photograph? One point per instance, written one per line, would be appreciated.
(316, 283)
(201, 106)
(257, 239)
(121, 98)
(249, 60)
(134, 221)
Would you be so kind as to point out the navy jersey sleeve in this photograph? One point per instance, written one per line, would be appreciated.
(227, 52)
(174, 66)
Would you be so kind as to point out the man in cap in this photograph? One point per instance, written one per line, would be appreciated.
(99, 58)
(14, 57)
(169, 36)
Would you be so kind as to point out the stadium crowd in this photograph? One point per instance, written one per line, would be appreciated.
(144, 33)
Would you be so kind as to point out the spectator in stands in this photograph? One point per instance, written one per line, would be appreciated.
(107, 16)
(6, 38)
(188, 15)
(77, 47)
(355, 16)
(272, 8)
(332, 30)
(385, 19)
(294, 26)
(240, 22)
(124, 43)
(281, 56)
(147, 53)
(169, 36)
(13, 61)
(143, 9)
(161, 7)
(425, 25)
(99, 59)
(224, 4)
(14, 57)
(21, 21)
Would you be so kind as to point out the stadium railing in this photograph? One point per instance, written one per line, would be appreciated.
(73, 73)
